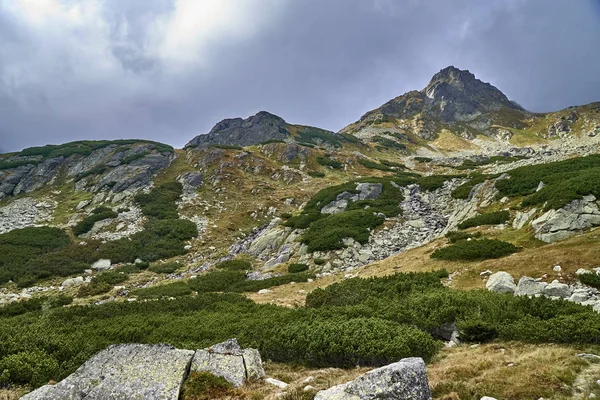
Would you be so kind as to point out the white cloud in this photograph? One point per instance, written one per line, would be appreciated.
(186, 35)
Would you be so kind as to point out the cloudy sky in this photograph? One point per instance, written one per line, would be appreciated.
(168, 70)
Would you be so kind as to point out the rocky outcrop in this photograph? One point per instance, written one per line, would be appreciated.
(404, 380)
(364, 191)
(533, 287)
(25, 212)
(555, 225)
(114, 167)
(230, 361)
(255, 129)
(127, 371)
(151, 372)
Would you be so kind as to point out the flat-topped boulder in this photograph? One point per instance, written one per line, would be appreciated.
(404, 380)
(230, 361)
(124, 371)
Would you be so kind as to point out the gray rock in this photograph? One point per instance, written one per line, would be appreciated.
(501, 282)
(101, 265)
(127, 371)
(335, 207)
(557, 289)
(555, 225)
(529, 287)
(230, 367)
(73, 281)
(230, 361)
(369, 191)
(404, 380)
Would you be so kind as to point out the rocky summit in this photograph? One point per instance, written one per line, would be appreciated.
(437, 248)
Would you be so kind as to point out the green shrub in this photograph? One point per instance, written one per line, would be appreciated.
(320, 261)
(464, 190)
(217, 281)
(564, 182)
(160, 201)
(423, 159)
(227, 147)
(102, 283)
(492, 218)
(316, 174)
(43, 237)
(297, 267)
(457, 236)
(477, 331)
(388, 143)
(480, 249)
(165, 268)
(98, 214)
(590, 279)
(374, 165)
(329, 162)
(27, 367)
(347, 342)
(176, 289)
(316, 136)
(206, 386)
(235, 265)
(327, 233)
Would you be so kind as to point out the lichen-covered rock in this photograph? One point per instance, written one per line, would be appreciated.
(501, 282)
(404, 380)
(557, 289)
(126, 371)
(555, 225)
(529, 287)
(228, 360)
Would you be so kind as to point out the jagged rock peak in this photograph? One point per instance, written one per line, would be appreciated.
(255, 129)
(453, 84)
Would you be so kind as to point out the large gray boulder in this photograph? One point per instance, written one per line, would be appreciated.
(557, 289)
(230, 361)
(529, 287)
(501, 282)
(126, 371)
(555, 225)
(404, 380)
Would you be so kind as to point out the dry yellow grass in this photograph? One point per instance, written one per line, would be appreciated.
(448, 141)
(506, 371)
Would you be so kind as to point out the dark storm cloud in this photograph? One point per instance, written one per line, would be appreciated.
(169, 69)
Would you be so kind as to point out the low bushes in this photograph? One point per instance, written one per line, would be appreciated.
(480, 249)
(457, 236)
(464, 190)
(176, 289)
(235, 281)
(217, 281)
(102, 283)
(235, 265)
(564, 182)
(338, 327)
(160, 202)
(492, 218)
(590, 279)
(327, 233)
(98, 214)
(297, 267)
(329, 162)
(165, 268)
